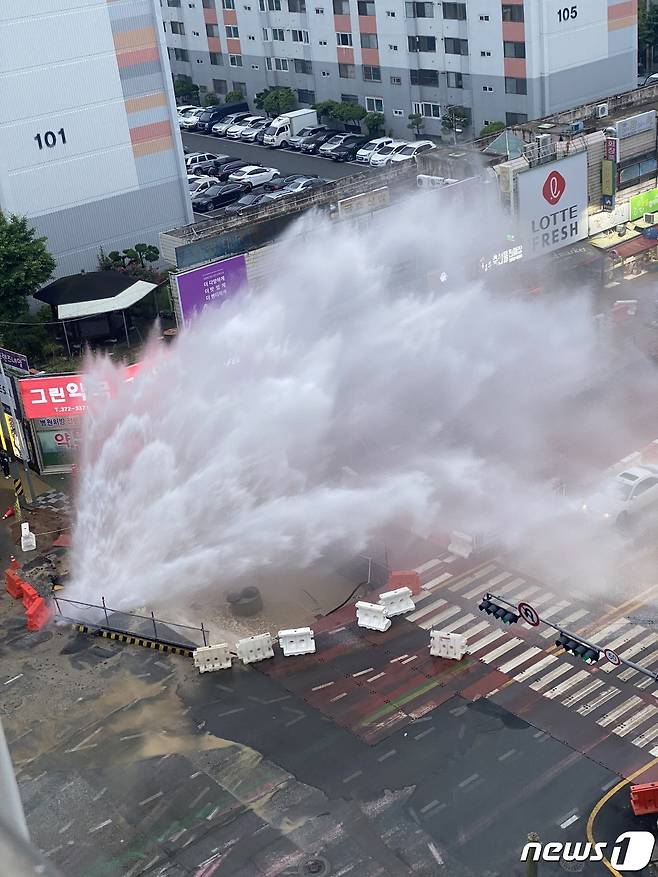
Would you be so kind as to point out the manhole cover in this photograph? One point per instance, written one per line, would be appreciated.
(316, 866)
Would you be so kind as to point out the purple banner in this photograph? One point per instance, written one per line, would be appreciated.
(210, 285)
(17, 360)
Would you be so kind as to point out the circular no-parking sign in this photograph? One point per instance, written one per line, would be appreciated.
(613, 657)
(528, 614)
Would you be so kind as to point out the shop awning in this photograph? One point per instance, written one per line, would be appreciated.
(634, 247)
(96, 292)
(575, 256)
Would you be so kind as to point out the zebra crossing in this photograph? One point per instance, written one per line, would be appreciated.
(615, 698)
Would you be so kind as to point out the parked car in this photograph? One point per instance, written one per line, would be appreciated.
(306, 185)
(220, 128)
(309, 131)
(366, 152)
(348, 149)
(202, 185)
(250, 133)
(313, 142)
(235, 130)
(271, 197)
(284, 182)
(254, 175)
(219, 195)
(191, 156)
(203, 162)
(224, 171)
(260, 134)
(411, 150)
(251, 199)
(213, 115)
(190, 120)
(184, 112)
(336, 140)
(625, 496)
(383, 156)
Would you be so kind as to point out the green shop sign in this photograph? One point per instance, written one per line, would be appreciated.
(646, 202)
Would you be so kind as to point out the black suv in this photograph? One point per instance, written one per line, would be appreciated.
(349, 147)
(312, 143)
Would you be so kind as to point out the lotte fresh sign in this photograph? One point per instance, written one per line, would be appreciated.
(552, 205)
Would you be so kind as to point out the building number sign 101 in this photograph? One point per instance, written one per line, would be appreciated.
(567, 13)
(50, 138)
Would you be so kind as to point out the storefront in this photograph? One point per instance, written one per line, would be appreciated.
(55, 440)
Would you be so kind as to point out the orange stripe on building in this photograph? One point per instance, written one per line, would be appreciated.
(230, 16)
(147, 102)
(514, 31)
(233, 47)
(151, 146)
(343, 24)
(134, 39)
(210, 16)
(367, 24)
(619, 23)
(153, 131)
(139, 56)
(515, 67)
(345, 55)
(214, 44)
(370, 56)
(622, 10)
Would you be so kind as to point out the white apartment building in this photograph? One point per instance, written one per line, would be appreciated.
(501, 61)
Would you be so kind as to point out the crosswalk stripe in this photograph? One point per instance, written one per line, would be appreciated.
(583, 692)
(519, 659)
(649, 640)
(435, 561)
(645, 683)
(563, 622)
(647, 661)
(426, 623)
(484, 587)
(483, 625)
(553, 610)
(598, 701)
(453, 626)
(635, 721)
(437, 581)
(626, 637)
(511, 586)
(543, 598)
(501, 650)
(464, 583)
(525, 593)
(428, 607)
(482, 643)
(549, 677)
(619, 711)
(566, 684)
(601, 635)
(646, 736)
(535, 668)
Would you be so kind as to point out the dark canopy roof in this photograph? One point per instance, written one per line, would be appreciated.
(84, 287)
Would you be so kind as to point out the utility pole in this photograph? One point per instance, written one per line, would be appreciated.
(533, 868)
(20, 438)
(12, 807)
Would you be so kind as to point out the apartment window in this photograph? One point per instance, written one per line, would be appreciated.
(228, 4)
(454, 11)
(349, 99)
(272, 5)
(216, 59)
(424, 77)
(368, 40)
(181, 55)
(455, 47)
(512, 12)
(374, 105)
(281, 64)
(173, 2)
(177, 27)
(422, 44)
(372, 73)
(484, 18)
(266, 34)
(232, 32)
(419, 10)
(347, 71)
(396, 80)
(341, 7)
(278, 34)
(392, 48)
(302, 66)
(241, 88)
(515, 85)
(485, 54)
(212, 30)
(429, 111)
(300, 36)
(268, 63)
(304, 96)
(635, 170)
(516, 118)
(219, 86)
(487, 88)
(296, 5)
(513, 50)
(365, 7)
(343, 39)
(455, 80)
(235, 60)
(398, 113)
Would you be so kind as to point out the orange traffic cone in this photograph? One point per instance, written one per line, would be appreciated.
(13, 564)
(11, 511)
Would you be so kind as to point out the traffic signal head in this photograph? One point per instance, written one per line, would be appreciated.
(498, 612)
(580, 650)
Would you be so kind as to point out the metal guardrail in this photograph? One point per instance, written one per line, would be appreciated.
(131, 623)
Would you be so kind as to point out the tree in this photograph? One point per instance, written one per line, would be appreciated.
(233, 97)
(647, 34)
(25, 265)
(326, 109)
(30, 336)
(275, 101)
(349, 114)
(210, 99)
(416, 123)
(454, 118)
(132, 260)
(185, 89)
(374, 122)
(492, 128)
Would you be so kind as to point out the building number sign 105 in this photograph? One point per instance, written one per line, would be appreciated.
(567, 13)
(50, 138)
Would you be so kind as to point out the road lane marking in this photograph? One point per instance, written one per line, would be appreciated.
(387, 755)
(13, 679)
(353, 776)
(363, 672)
(152, 798)
(378, 676)
(320, 687)
(569, 821)
(338, 697)
(506, 755)
(424, 734)
(469, 780)
(98, 827)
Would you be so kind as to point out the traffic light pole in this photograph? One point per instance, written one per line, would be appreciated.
(579, 639)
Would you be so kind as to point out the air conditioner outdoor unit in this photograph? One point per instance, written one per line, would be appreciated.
(530, 152)
(601, 111)
(650, 218)
(576, 127)
(543, 142)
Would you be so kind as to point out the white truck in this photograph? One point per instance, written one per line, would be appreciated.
(288, 125)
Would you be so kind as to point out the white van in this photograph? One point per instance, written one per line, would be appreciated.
(288, 125)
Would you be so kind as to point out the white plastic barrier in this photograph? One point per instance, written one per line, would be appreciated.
(372, 616)
(461, 544)
(298, 641)
(255, 648)
(209, 658)
(28, 540)
(447, 645)
(397, 602)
